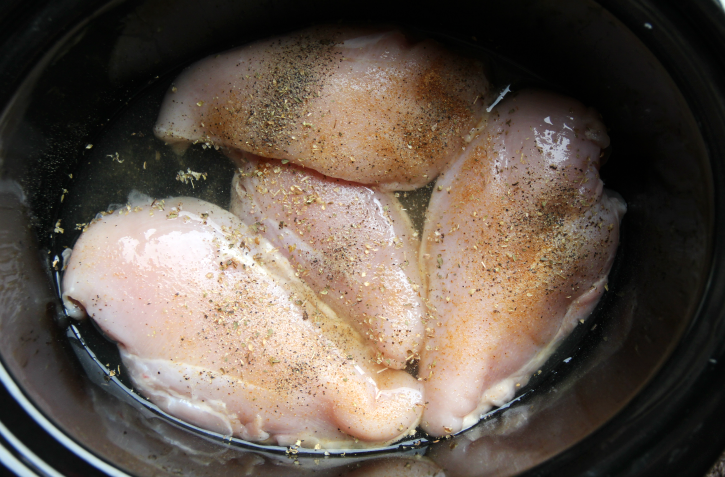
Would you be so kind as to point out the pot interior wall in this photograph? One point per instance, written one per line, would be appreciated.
(658, 163)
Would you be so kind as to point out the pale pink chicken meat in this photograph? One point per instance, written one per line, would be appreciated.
(215, 329)
(353, 245)
(519, 239)
(362, 104)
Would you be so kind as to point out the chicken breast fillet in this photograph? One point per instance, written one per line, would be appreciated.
(518, 243)
(360, 104)
(353, 245)
(215, 329)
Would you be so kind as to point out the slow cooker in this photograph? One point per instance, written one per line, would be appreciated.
(637, 391)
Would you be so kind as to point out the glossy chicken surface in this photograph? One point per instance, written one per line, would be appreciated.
(351, 244)
(215, 329)
(519, 240)
(361, 104)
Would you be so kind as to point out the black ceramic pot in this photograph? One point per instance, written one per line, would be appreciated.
(644, 390)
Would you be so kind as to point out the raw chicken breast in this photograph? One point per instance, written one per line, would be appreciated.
(215, 329)
(353, 245)
(365, 105)
(519, 239)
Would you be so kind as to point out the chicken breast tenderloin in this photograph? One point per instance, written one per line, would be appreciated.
(519, 240)
(360, 104)
(351, 244)
(215, 329)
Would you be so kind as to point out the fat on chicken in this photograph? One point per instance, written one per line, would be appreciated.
(353, 245)
(367, 105)
(215, 329)
(519, 239)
